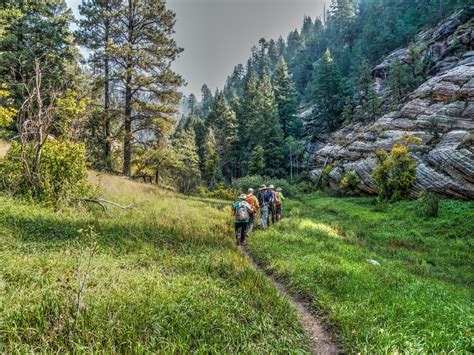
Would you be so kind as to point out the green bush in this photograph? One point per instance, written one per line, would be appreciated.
(324, 180)
(428, 204)
(62, 178)
(220, 191)
(350, 183)
(395, 173)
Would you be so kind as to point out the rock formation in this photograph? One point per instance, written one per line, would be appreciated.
(440, 112)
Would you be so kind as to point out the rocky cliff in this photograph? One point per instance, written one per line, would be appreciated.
(440, 112)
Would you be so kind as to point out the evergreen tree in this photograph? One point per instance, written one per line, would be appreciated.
(96, 31)
(192, 102)
(286, 99)
(40, 31)
(257, 161)
(210, 166)
(222, 121)
(143, 51)
(249, 115)
(186, 151)
(268, 131)
(328, 92)
(206, 99)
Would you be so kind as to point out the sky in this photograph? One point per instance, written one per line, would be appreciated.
(217, 34)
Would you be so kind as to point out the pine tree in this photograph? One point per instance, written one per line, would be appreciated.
(40, 31)
(328, 92)
(286, 99)
(192, 102)
(222, 121)
(249, 113)
(257, 161)
(96, 30)
(206, 99)
(210, 171)
(189, 175)
(143, 50)
(373, 103)
(268, 131)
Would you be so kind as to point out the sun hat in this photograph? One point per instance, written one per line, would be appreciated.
(250, 190)
(242, 196)
(279, 189)
(262, 187)
(271, 187)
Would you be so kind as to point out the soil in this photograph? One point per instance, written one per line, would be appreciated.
(321, 339)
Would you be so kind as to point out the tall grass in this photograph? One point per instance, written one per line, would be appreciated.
(419, 300)
(166, 278)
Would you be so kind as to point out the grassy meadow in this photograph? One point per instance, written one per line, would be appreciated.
(420, 298)
(165, 277)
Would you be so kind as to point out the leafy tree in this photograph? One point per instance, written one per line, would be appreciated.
(7, 113)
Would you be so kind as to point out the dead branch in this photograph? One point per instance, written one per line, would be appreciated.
(103, 204)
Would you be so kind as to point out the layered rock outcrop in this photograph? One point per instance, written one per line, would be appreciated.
(440, 112)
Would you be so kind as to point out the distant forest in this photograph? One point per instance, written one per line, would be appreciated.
(252, 125)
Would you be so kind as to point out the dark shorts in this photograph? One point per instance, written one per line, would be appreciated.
(278, 209)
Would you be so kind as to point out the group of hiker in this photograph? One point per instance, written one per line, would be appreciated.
(266, 204)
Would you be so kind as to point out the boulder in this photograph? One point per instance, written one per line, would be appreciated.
(453, 139)
(444, 91)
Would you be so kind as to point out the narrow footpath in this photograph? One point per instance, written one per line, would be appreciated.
(321, 342)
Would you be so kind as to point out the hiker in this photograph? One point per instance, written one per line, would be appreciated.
(263, 202)
(241, 211)
(253, 202)
(271, 204)
(279, 198)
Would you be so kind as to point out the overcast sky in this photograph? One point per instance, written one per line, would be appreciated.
(218, 34)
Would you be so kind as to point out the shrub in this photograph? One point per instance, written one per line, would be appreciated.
(62, 178)
(428, 204)
(350, 183)
(325, 175)
(395, 172)
(220, 192)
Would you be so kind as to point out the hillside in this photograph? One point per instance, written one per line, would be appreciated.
(440, 112)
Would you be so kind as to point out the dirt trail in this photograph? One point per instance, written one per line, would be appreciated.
(320, 338)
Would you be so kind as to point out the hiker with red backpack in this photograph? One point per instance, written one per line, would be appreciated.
(241, 210)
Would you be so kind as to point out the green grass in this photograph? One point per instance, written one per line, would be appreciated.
(166, 278)
(420, 298)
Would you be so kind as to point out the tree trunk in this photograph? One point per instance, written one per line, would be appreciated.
(107, 133)
(127, 143)
(127, 140)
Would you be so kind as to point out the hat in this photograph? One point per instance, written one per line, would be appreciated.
(250, 190)
(279, 189)
(262, 187)
(242, 196)
(271, 187)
